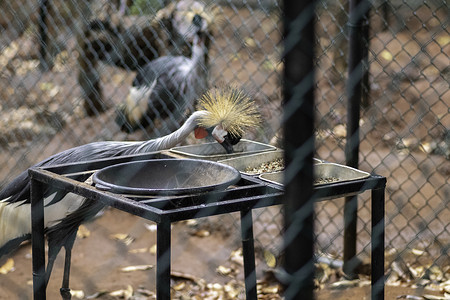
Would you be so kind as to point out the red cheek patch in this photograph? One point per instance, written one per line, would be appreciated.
(200, 133)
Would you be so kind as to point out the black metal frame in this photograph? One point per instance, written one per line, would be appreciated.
(249, 193)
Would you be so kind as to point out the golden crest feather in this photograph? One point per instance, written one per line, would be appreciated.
(234, 109)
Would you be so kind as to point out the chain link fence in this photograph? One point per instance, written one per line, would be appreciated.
(69, 94)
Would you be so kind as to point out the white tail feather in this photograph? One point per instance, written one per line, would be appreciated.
(15, 219)
(137, 102)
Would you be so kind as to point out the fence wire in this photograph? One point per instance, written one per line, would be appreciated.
(70, 94)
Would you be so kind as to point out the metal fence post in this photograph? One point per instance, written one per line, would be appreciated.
(357, 12)
(299, 148)
(43, 34)
(37, 240)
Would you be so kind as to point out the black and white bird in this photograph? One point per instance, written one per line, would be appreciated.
(167, 87)
(225, 113)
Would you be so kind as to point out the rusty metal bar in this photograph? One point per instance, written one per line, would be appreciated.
(377, 240)
(248, 252)
(37, 240)
(249, 193)
(163, 258)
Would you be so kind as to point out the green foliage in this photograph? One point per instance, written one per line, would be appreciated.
(145, 7)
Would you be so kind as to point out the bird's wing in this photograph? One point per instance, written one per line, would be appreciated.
(167, 97)
(18, 190)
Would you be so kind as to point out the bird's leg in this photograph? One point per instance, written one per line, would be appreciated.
(52, 253)
(65, 290)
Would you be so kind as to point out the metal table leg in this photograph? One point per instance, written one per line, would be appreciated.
(248, 252)
(38, 240)
(377, 240)
(163, 249)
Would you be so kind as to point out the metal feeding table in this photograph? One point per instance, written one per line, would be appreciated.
(249, 193)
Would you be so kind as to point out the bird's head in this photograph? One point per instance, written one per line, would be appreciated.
(229, 113)
(191, 17)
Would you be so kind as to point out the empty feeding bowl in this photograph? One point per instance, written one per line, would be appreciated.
(324, 173)
(215, 151)
(165, 177)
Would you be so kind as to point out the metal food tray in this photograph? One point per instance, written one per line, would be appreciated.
(214, 151)
(243, 163)
(322, 170)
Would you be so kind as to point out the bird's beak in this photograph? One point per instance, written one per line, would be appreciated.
(220, 135)
(227, 145)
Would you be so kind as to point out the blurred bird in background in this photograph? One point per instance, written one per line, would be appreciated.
(167, 87)
(113, 41)
(225, 113)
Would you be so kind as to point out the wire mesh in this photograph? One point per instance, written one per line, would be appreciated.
(94, 49)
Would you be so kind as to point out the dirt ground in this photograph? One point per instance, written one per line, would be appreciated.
(205, 250)
(198, 250)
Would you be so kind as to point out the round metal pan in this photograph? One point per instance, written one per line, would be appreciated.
(166, 177)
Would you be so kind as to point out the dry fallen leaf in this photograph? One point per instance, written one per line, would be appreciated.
(191, 222)
(126, 294)
(7, 267)
(214, 286)
(409, 142)
(46, 86)
(180, 275)
(443, 40)
(386, 55)
(340, 131)
(83, 232)
(146, 293)
(97, 295)
(233, 289)
(151, 227)
(426, 147)
(436, 274)
(202, 233)
(136, 268)
(271, 289)
(350, 283)
(250, 43)
(237, 257)
(410, 297)
(416, 272)
(270, 259)
(402, 271)
(234, 57)
(179, 286)
(433, 297)
(139, 250)
(77, 294)
(223, 270)
(446, 286)
(123, 237)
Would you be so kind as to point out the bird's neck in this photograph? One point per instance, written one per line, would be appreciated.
(198, 49)
(176, 137)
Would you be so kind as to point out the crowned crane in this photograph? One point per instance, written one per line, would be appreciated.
(167, 87)
(130, 43)
(226, 113)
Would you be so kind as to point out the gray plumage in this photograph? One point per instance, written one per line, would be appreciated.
(167, 87)
(64, 212)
